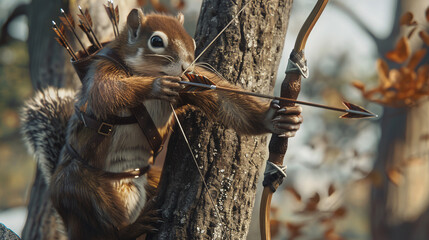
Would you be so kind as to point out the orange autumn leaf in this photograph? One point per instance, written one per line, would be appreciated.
(411, 33)
(401, 52)
(180, 5)
(423, 78)
(425, 37)
(383, 73)
(407, 19)
(312, 203)
(395, 176)
(340, 212)
(294, 228)
(274, 226)
(416, 58)
(359, 85)
(294, 193)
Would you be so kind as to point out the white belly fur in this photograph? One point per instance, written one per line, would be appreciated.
(130, 149)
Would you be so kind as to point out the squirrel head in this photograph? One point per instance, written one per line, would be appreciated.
(156, 44)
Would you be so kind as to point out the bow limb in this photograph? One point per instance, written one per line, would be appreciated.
(291, 86)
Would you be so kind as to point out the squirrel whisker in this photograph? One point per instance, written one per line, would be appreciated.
(168, 57)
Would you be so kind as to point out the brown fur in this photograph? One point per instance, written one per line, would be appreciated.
(94, 207)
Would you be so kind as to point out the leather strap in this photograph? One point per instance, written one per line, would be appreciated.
(103, 128)
(141, 115)
(148, 127)
(136, 173)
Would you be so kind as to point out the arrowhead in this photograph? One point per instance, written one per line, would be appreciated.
(355, 111)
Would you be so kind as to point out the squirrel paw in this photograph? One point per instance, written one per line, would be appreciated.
(166, 88)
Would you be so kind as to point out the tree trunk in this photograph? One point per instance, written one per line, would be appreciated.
(400, 204)
(50, 66)
(247, 54)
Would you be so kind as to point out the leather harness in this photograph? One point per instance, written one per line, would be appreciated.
(105, 128)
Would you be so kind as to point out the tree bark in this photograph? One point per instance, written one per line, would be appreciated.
(247, 54)
(50, 66)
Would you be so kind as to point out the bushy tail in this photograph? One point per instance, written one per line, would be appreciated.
(44, 121)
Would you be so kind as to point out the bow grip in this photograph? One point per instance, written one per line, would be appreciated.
(290, 88)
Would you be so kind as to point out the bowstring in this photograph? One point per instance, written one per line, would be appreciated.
(217, 36)
(183, 132)
(219, 217)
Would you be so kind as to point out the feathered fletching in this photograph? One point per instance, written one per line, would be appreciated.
(61, 42)
(66, 23)
(113, 14)
(196, 78)
(88, 17)
(117, 15)
(87, 32)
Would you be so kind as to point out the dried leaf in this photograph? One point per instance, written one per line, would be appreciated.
(395, 176)
(180, 5)
(294, 229)
(425, 37)
(159, 7)
(312, 203)
(383, 73)
(411, 33)
(274, 210)
(416, 58)
(406, 19)
(331, 189)
(340, 212)
(330, 234)
(401, 52)
(275, 226)
(359, 85)
(294, 193)
(423, 78)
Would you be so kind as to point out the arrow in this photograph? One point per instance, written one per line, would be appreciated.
(352, 110)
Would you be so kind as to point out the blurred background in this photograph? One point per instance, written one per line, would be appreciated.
(345, 177)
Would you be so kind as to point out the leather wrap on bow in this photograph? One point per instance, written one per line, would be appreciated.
(291, 86)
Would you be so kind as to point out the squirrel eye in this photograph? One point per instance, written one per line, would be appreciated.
(156, 42)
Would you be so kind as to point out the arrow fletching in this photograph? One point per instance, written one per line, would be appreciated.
(355, 111)
(200, 83)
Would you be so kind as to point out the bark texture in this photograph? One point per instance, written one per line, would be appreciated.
(247, 54)
(50, 66)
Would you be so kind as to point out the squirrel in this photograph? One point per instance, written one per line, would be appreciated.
(157, 49)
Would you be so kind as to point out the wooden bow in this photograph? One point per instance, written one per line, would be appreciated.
(291, 86)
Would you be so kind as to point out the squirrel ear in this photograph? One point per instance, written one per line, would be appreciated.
(134, 21)
(181, 18)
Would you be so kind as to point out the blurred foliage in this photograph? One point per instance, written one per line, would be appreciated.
(405, 85)
(16, 166)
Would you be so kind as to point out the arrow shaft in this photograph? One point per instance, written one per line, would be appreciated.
(74, 32)
(226, 89)
(90, 28)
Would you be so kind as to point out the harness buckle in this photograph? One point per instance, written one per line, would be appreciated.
(105, 129)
